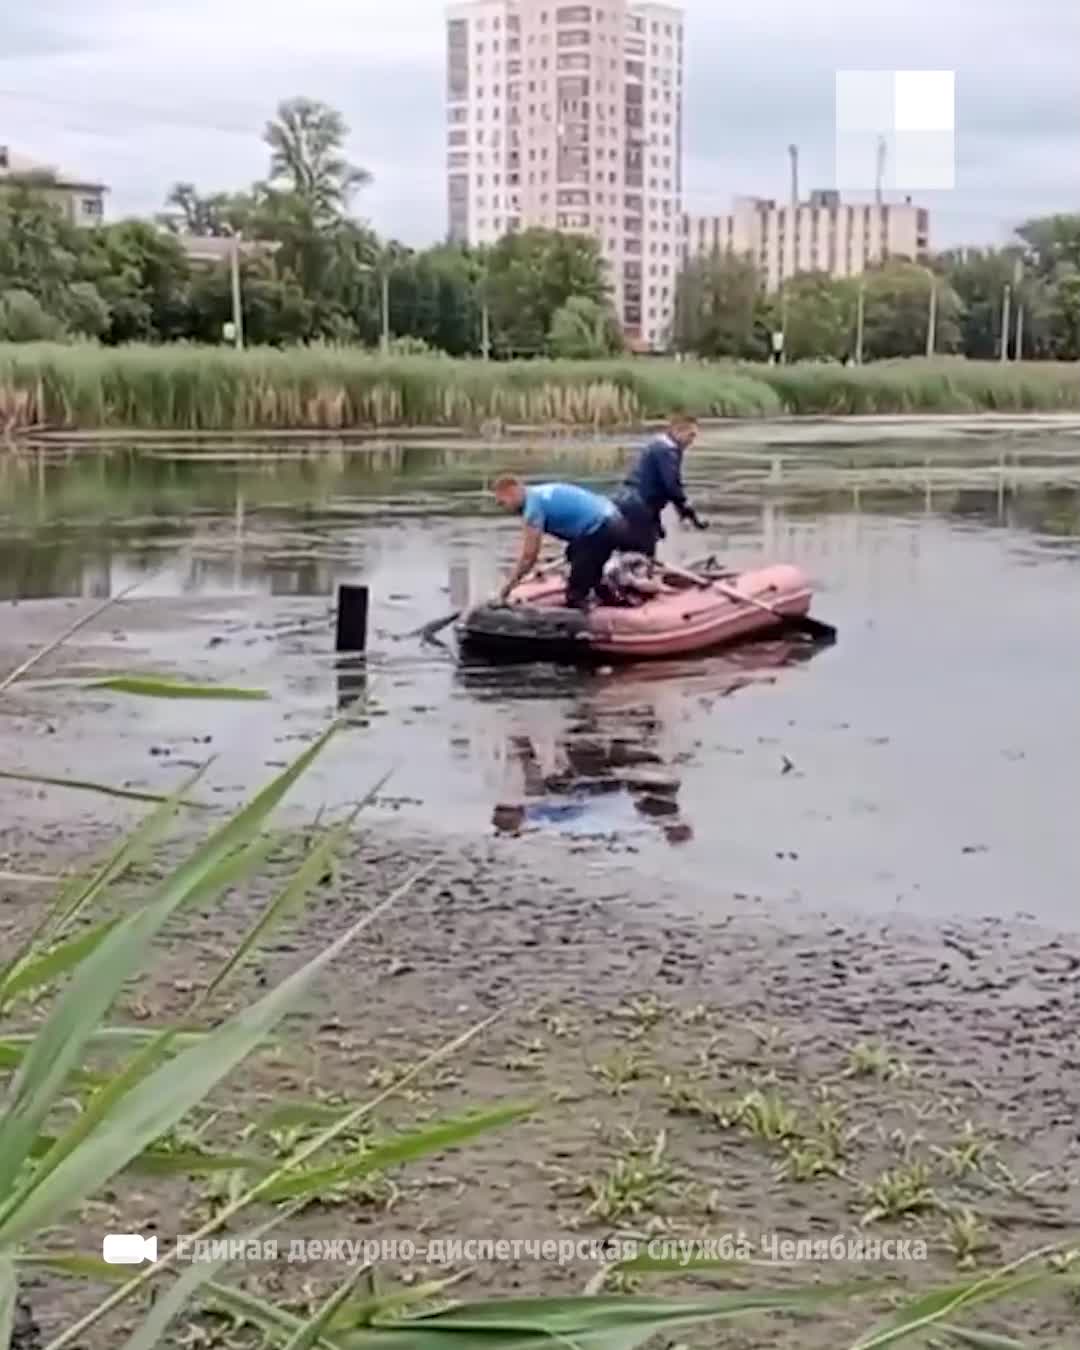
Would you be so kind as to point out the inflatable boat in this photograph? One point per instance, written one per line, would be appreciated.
(676, 612)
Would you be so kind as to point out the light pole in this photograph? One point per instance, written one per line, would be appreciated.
(1018, 277)
(860, 318)
(237, 304)
(382, 270)
(931, 323)
(1004, 355)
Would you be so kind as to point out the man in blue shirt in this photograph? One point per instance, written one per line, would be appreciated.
(591, 526)
(655, 482)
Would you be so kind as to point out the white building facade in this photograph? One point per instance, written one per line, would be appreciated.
(569, 116)
(829, 235)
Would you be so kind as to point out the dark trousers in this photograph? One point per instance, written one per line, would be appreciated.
(643, 527)
(588, 556)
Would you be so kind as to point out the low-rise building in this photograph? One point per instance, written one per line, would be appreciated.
(82, 202)
(829, 236)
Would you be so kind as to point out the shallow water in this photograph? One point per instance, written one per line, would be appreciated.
(923, 763)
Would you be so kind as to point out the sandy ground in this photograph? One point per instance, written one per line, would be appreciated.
(763, 1070)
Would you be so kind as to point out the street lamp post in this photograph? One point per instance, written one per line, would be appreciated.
(1004, 354)
(235, 330)
(383, 272)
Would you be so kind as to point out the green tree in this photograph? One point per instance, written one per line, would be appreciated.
(22, 319)
(721, 309)
(1064, 315)
(1052, 242)
(307, 159)
(276, 310)
(820, 317)
(897, 312)
(41, 252)
(142, 274)
(529, 276)
(86, 311)
(215, 216)
(583, 330)
(979, 277)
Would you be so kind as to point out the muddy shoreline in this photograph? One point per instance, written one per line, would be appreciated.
(624, 1020)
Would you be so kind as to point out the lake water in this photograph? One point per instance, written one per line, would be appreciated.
(925, 762)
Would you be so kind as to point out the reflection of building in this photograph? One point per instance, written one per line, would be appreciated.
(569, 116)
(842, 240)
(83, 203)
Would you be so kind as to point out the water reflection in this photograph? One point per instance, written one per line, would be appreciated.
(90, 524)
(608, 754)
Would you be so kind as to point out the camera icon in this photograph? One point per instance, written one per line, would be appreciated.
(128, 1249)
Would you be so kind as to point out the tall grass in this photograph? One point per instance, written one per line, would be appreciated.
(187, 388)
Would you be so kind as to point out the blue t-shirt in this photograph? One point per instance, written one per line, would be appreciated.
(566, 511)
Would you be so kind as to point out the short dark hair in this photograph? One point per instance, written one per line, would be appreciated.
(681, 418)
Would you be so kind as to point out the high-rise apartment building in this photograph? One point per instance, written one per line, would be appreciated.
(569, 116)
(829, 236)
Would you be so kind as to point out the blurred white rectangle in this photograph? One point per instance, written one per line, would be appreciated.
(896, 128)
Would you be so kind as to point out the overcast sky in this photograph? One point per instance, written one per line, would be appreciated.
(140, 93)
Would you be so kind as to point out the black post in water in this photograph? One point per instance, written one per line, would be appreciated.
(352, 615)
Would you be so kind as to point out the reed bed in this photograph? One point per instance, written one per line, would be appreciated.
(194, 389)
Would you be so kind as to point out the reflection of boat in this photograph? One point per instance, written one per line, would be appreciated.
(684, 617)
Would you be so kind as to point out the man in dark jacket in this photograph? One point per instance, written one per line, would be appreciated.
(655, 482)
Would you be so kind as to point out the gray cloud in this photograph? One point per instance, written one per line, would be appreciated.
(141, 94)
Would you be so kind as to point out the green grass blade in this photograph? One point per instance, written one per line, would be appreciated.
(289, 898)
(582, 1315)
(238, 866)
(980, 1340)
(82, 891)
(272, 1321)
(603, 1323)
(57, 1047)
(414, 1144)
(134, 849)
(931, 1310)
(354, 1315)
(303, 1113)
(151, 1331)
(87, 785)
(156, 1103)
(187, 1162)
(151, 687)
(311, 1333)
(96, 1109)
(31, 974)
(8, 1293)
(82, 1267)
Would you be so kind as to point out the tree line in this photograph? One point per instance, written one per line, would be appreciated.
(1029, 290)
(322, 275)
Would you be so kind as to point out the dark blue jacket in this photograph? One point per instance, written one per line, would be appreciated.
(656, 479)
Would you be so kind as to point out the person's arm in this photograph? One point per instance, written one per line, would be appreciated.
(670, 467)
(531, 541)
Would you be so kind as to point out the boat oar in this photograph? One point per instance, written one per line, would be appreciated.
(801, 623)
